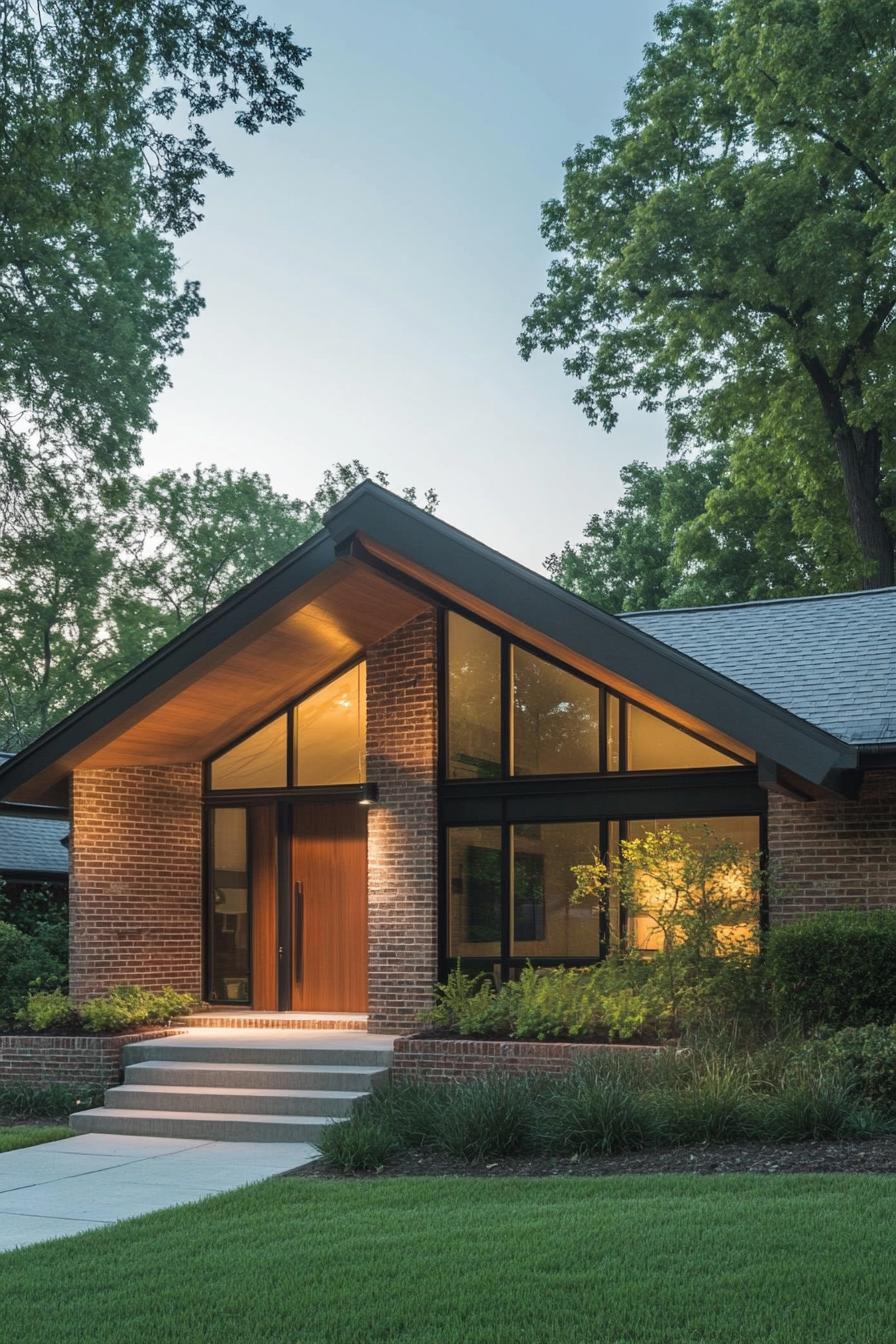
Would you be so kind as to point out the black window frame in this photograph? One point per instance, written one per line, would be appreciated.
(599, 797)
(290, 789)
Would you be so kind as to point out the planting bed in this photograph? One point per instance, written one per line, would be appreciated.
(869, 1156)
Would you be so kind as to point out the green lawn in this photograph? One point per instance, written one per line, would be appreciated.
(26, 1136)
(647, 1260)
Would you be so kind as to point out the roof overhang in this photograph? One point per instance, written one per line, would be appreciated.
(378, 562)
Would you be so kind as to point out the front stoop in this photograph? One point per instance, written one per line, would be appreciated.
(240, 1086)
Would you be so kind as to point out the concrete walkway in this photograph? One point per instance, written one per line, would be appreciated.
(60, 1189)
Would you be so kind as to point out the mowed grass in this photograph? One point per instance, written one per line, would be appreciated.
(26, 1136)
(647, 1260)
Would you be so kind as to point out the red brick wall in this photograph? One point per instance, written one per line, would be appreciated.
(835, 853)
(136, 878)
(427, 1060)
(402, 884)
(39, 1061)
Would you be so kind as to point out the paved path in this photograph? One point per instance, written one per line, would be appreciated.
(59, 1189)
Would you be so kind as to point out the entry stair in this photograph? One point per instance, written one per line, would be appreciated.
(240, 1086)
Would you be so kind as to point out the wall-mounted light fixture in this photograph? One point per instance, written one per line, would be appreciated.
(369, 794)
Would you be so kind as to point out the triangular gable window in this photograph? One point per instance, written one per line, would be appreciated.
(652, 743)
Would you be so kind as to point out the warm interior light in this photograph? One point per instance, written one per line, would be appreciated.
(369, 794)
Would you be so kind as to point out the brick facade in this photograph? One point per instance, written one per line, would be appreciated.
(76, 1061)
(425, 1059)
(402, 885)
(136, 878)
(835, 853)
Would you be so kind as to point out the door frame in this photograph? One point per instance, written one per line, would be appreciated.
(283, 801)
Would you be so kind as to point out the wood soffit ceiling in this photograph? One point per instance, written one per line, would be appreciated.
(273, 660)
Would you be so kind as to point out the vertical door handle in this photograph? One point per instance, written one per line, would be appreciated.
(297, 926)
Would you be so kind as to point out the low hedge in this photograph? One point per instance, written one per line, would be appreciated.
(836, 969)
(122, 1007)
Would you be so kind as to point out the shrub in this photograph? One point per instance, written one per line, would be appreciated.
(866, 1056)
(588, 1114)
(362, 1143)
(25, 964)
(47, 1008)
(468, 1004)
(23, 1102)
(490, 1117)
(132, 1006)
(836, 969)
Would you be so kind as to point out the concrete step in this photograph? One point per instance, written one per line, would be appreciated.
(189, 1073)
(211, 1125)
(229, 1052)
(249, 1020)
(232, 1100)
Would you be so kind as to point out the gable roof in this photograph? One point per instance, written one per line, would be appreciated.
(32, 845)
(373, 536)
(831, 660)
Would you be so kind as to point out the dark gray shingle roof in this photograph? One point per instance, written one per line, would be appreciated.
(830, 660)
(32, 844)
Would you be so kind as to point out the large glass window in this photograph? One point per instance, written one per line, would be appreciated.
(556, 719)
(654, 744)
(474, 700)
(229, 899)
(642, 930)
(329, 743)
(546, 922)
(258, 762)
(474, 891)
(331, 730)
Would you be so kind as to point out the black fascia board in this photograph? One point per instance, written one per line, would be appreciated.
(299, 567)
(535, 601)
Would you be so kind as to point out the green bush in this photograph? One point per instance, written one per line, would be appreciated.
(26, 963)
(490, 1117)
(132, 1006)
(837, 969)
(619, 998)
(365, 1144)
(866, 1056)
(21, 1102)
(46, 1008)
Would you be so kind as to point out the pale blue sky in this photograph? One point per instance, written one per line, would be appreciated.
(366, 271)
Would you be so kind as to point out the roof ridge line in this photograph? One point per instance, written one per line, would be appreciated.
(757, 602)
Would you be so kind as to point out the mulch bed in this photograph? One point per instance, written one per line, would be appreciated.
(847, 1155)
(598, 1038)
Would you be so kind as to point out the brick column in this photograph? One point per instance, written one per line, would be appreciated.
(402, 886)
(136, 879)
(834, 853)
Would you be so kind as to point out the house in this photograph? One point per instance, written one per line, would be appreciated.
(33, 847)
(388, 750)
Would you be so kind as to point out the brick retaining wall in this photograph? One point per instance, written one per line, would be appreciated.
(39, 1061)
(428, 1060)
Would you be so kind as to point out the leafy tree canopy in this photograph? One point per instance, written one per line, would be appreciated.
(727, 250)
(104, 148)
(733, 523)
(89, 588)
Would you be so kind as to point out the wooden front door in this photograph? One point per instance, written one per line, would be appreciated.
(329, 907)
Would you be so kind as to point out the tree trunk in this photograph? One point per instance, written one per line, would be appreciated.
(859, 455)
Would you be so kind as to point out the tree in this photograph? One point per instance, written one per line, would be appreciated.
(90, 586)
(727, 250)
(734, 523)
(103, 152)
(57, 644)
